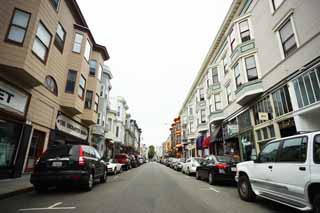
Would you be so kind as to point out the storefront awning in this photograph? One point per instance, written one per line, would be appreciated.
(199, 142)
(206, 142)
(216, 135)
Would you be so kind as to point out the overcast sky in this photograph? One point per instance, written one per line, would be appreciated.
(156, 48)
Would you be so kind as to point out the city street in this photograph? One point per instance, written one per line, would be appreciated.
(149, 188)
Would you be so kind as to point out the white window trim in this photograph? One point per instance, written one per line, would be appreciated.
(272, 10)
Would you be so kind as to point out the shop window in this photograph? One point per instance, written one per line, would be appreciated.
(82, 86)
(259, 136)
(41, 42)
(51, 85)
(18, 26)
(87, 50)
(307, 88)
(262, 106)
(287, 38)
(77, 43)
(244, 31)
(281, 100)
(93, 67)
(60, 38)
(215, 78)
(247, 143)
(71, 81)
(9, 140)
(88, 100)
(272, 133)
(237, 75)
(294, 150)
(269, 153)
(244, 120)
(55, 4)
(265, 134)
(251, 68)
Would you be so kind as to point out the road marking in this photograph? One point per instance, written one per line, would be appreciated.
(213, 189)
(52, 207)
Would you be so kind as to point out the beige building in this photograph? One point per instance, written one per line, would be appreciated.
(50, 70)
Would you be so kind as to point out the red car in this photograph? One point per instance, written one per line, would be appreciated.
(124, 159)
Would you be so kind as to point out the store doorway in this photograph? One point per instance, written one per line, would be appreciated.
(35, 150)
(287, 128)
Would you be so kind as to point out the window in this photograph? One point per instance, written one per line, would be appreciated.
(244, 31)
(228, 89)
(41, 42)
(307, 87)
(287, 38)
(71, 81)
(102, 90)
(232, 40)
(98, 118)
(203, 116)
(60, 38)
(93, 67)
(294, 150)
(251, 68)
(51, 85)
(281, 101)
(316, 149)
(96, 103)
(110, 124)
(276, 4)
(215, 78)
(217, 102)
(244, 120)
(259, 136)
(237, 75)
(117, 132)
(55, 4)
(82, 86)
(87, 50)
(263, 106)
(118, 112)
(100, 72)
(77, 43)
(88, 100)
(225, 64)
(269, 153)
(201, 91)
(18, 26)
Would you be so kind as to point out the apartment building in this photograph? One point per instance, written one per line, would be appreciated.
(99, 130)
(49, 80)
(259, 80)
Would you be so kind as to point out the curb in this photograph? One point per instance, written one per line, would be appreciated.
(16, 192)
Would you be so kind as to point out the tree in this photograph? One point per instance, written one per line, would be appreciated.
(151, 152)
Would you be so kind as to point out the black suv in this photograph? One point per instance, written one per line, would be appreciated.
(64, 164)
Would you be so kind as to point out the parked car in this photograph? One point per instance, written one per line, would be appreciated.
(141, 159)
(286, 171)
(174, 162)
(133, 161)
(191, 165)
(64, 164)
(114, 167)
(178, 166)
(217, 168)
(124, 159)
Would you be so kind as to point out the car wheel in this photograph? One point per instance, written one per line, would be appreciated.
(211, 178)
(40, 189)
(103, 179)
(89, 184)
(245, 190)
(197, 175)
(188, 171)
(316, 204)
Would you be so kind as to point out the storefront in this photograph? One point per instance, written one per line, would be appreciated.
(216, 140)
(206, 145)
(14, 132)
(199, 146)
(68, 131)
(231, 140)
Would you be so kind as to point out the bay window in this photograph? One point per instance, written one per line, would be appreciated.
(88, 101)
(244, 31)
(237, 75)
(41, 42)
(77, 43)
(82, 86)
(60, 37)
(87, 50)
(251, 68)
(71, 81)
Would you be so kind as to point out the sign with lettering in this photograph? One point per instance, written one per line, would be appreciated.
(12, 99)
(71, 127)
(263, 116)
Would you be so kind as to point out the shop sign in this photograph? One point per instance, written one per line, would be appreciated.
(71, 127)
(232, 129)
(263, 116)
(12, 99)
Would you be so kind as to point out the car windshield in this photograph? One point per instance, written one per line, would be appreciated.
(226, 159)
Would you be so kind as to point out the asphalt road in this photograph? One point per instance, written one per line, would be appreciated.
(151, 188)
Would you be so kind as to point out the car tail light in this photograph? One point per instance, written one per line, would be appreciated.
(221, 166)
(81, 157)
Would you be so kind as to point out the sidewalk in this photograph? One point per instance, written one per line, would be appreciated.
(11, 187)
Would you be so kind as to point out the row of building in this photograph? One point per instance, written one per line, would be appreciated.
(54, 86)
(259, 81)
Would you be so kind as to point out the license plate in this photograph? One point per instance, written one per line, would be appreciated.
(221, 171)
(56, 164)
(234, 169)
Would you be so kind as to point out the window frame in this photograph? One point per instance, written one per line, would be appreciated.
(217, 102)
(237, 75)
(96, 102)
(252, 68)
(274, 8)
(53, 5)
(67, 80)
(10, 25)
(96, 68)
(203, 116)
(232, 37)
(242, 32)
(56, 43)
(288, 52)
(201, 94)
(55, 92)
(47, 48)
(215, 75)
(85, 50)
(74, 42)
(228, 89)
(80, 87)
